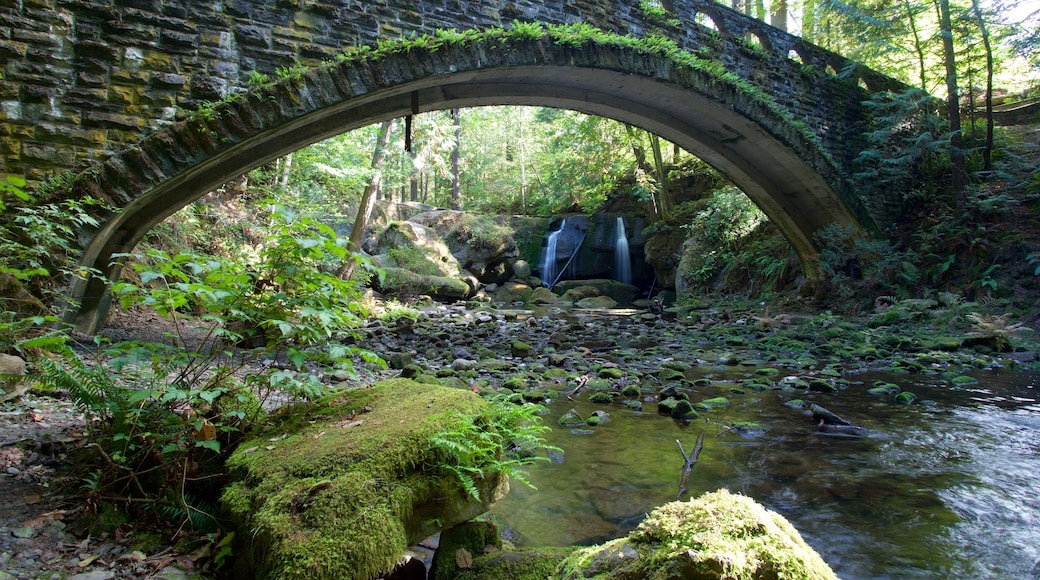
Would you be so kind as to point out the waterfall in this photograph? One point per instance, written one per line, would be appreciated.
(622, 259)
(549, 272)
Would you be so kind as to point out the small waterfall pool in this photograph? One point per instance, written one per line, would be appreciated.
(946, 488)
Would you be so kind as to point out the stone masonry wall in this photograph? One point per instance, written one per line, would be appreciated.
(84, 78)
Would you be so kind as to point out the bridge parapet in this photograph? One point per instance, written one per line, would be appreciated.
(84, 78)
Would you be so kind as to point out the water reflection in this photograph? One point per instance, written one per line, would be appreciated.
(944, 489)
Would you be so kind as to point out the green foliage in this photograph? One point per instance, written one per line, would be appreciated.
(865, 267)
(907, 145)
(38, 255)
(162, 414)
(257, 78)
(656, 13)
(731, 244)
(502, 439)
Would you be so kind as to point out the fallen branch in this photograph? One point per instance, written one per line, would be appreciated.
(581, 383)
(12, 442)
(688, 462)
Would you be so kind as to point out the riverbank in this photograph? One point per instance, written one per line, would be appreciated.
(626, 357)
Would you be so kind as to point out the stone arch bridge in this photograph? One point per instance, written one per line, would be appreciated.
(100, 88)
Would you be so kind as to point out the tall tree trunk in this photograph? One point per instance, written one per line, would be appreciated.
(918, 46)
(759, 8)
(809, 20)
(778, 18)
(664, 192)
(987, 150)
(523, 165)
(413, 181)
(456, 176)
(368, 198)
(952, 103)
(285, 166)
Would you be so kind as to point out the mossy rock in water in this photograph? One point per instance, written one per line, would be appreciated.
(905, 398)
(611, 373)
(339, 487)
(520, 349)
(601, 397)
(767, 372)
(666, 406)
(713, 403)
(883, 389)
(757, 384)
(822, 386)
(631, 391)
(795, 404)
(718, 535)
(667, 374)
(515, 383)
(572, 419)
(683, 410)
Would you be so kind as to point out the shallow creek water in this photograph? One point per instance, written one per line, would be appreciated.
(947, 488)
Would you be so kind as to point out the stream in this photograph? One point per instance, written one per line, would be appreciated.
(944, 488)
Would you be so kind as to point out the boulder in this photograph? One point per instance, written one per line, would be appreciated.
(621, 293)
(718, 535)
(481, 244)
(339, 487)
(596, 302)
(415, 247)
(401, 281)
(12, 387)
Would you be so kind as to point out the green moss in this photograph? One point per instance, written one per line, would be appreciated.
(328, 488)
(474, 537)
(601, 398)
(718, 535)
(523, 564)
(611, 373)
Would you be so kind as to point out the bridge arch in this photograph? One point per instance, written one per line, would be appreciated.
(736, 129)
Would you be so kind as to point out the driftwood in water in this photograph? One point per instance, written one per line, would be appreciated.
(584, 380)
(688, 462)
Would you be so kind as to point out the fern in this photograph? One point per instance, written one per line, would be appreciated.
(485, 444)
(90, 387)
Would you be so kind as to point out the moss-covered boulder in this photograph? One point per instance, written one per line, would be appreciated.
(400, 281)
(338, 488)
(718, 535)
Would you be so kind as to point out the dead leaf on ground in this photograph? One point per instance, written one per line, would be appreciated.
(463, 559)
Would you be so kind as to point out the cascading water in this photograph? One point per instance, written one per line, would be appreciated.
(548, 268)
(622, 258)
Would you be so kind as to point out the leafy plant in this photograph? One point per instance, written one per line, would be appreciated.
(995, 329)
(164, 414)
(502, 439)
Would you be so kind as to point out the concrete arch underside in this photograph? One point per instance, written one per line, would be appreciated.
(785, 173)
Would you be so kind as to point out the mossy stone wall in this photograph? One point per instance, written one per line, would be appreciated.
(84, 78)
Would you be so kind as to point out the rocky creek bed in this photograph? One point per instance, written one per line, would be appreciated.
(678, 373)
